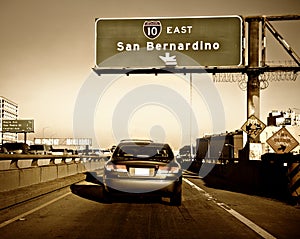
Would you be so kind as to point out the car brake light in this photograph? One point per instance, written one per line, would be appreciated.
(116, 167)
(167, 169)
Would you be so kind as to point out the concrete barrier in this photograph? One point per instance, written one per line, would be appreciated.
(48, 173)
(29, 176)
(9, 179)
(16, 177)
(267, 177)
(72, 169)
(11, 197)
(62, 170)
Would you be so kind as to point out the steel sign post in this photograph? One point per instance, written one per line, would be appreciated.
(193, 41)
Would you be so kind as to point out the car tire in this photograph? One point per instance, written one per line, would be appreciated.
(176, 198)
(106, 196)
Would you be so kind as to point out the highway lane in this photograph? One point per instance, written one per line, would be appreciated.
(84, 214)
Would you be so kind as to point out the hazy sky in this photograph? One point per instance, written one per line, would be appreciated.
(47, 52)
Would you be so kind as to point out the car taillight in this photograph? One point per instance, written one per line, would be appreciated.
(115, 167)
(167, 169)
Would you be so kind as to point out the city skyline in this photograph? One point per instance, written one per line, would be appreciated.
(47, 52)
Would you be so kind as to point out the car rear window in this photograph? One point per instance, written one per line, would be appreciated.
(37, 147)
(143, 151)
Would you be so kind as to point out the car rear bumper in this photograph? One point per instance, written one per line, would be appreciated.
(153, 186)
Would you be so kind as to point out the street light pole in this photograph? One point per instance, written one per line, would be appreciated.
(44, 130)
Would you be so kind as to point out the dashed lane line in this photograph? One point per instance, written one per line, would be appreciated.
(19, 217)
(260, 231)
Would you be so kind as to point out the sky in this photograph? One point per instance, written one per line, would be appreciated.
(47, 54)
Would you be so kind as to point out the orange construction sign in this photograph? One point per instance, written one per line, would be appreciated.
(282, 141)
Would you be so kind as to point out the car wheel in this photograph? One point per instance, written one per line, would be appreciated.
(176, 198)
(106, 195)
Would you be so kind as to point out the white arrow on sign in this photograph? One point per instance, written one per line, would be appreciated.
(169, 60)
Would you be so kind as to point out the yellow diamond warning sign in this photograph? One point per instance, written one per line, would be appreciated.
(282, 141)
(253, 126)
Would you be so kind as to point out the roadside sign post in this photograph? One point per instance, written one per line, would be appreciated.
(253, 84)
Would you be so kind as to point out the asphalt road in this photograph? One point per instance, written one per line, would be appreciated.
(205, 213)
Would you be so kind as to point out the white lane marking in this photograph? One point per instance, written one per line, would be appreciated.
(21, 216)
(234, 213)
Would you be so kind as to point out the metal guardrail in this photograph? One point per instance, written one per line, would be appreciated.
(14, 158)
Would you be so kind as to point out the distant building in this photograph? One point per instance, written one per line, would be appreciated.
(280, 118)
(8, 110)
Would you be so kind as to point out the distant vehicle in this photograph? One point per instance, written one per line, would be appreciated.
(59, 151)
(106, 153)
(143, 167)
(112, 149)
(72, 152)
(15, 148)
(40, 149)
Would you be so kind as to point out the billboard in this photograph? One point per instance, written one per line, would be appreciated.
(64, 141)
(161, 42)
(17, 126)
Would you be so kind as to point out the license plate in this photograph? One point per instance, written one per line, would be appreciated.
(141, 172)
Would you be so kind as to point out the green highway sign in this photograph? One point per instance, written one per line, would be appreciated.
(161, 42)
(17, 126)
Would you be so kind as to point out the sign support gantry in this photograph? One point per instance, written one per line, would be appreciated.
(256, 54)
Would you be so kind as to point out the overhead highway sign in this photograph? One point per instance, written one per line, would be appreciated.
(161, 42)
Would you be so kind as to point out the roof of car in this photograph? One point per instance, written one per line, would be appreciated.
(137, 140)
(143, 143)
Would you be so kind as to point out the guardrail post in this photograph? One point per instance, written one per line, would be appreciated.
(52, 161)
(73, 160)
(14, 164)
(34, 163)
